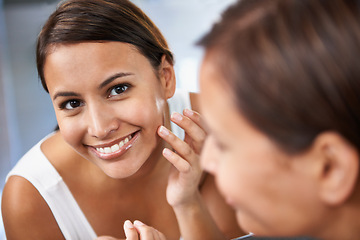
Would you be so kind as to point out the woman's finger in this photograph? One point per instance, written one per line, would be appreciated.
(178, 162)
(159, 235)
(147, 232)
(181, 148)
(196, 118)
(130, 231)
(106, 238)
(191, 127)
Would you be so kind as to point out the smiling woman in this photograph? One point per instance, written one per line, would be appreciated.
(109, 73)
(116, 91)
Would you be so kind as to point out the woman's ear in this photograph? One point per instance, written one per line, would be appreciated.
(339, 168)
(167, 77)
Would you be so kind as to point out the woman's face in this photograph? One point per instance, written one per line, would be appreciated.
(270, 190)
(108, 102)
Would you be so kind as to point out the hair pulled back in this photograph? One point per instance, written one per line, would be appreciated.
(76, 21)
(292, 67)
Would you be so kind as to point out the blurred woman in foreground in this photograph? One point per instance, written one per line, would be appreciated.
(280, 94)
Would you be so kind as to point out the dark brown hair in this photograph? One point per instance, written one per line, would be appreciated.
(77, 21)
(292, 66)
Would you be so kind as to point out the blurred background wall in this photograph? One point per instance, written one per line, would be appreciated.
(26, 113)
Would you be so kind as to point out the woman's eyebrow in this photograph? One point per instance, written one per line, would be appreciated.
(66, 94)
(113, 77)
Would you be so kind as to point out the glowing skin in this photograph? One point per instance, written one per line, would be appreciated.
(109, 103)
(270, 190)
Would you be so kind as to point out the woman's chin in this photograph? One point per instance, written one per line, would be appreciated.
(117, 169)
(247, 225)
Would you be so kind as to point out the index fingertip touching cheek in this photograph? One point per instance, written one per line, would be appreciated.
(163, 131)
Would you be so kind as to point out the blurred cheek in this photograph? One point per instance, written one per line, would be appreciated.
(213, 162)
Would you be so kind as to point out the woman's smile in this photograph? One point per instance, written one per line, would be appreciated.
(116, 148)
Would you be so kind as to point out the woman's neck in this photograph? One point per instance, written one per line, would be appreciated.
(344, 223)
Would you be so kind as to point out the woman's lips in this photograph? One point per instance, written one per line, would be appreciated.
(116, 150)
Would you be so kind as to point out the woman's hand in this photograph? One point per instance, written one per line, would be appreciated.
(185, 177)
(137, 231)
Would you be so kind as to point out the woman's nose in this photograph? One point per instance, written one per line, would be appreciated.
(101, 121)
(208, 158)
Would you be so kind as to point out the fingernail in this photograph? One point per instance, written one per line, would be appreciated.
(164, 130)
(188, 112)
(128, 224)
(176, 116)
(138, 223)
(167, 152)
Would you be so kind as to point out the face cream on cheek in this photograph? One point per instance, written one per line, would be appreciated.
(160, 103)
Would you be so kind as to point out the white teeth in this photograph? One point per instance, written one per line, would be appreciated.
(114, 147)
(107, 150)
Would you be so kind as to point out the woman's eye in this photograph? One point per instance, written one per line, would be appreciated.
(216, 144)
(220, 145)
(71, 104)
(118, 89)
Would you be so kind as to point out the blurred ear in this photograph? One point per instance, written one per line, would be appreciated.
(339, 168)
(167, 77)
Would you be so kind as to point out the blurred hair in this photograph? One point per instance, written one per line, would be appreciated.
(292, 67)
(76, 21)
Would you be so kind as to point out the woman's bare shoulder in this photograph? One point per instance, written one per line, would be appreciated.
(24, 208)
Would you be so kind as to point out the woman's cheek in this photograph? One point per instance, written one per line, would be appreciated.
(151, 112)
(70, 131)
